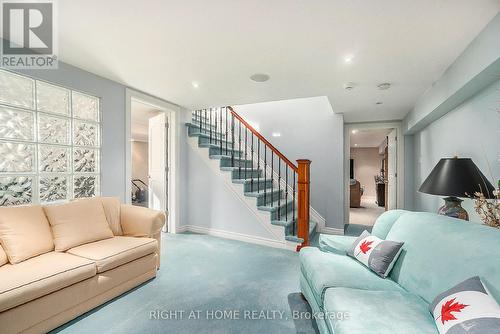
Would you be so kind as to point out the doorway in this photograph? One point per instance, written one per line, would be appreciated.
(152, 155)
(374, 161)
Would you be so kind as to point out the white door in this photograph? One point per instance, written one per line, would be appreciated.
(157, 148)
(392, 168)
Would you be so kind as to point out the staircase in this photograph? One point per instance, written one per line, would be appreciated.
(279, 189)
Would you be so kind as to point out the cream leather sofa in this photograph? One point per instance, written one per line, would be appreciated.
(58, 262)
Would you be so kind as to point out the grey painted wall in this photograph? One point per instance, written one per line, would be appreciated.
(470, 130)
(112, 97)
(309, 129)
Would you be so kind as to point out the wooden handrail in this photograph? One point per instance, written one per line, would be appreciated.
(264, 140)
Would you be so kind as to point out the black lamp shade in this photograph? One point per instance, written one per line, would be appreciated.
(457, 177)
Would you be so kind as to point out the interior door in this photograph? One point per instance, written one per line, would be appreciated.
(392, 167)
(157, 171)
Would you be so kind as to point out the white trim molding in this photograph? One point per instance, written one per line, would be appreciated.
(400, 159)
(172, 112)
(238, 236)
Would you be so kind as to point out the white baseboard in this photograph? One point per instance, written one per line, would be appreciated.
(331, 230)
(235, 236)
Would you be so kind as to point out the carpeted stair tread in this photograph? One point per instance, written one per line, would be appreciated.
(235, 168)
(268, 192)
(274, 207)
(312, 231)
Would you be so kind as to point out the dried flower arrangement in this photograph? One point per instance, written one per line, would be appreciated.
(488, 210)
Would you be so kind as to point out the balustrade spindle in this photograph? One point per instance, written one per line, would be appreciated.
(239, 148)
(232, 140)
(272, 178)
(265, 175)
(286, 192)
(246, 144)
(210, 125)
(198, 118)
(225, 137)
(251, 158)
(279, 188)
(258, 164)
(293, 204)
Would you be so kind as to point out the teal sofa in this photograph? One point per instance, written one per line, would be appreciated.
(438, 253)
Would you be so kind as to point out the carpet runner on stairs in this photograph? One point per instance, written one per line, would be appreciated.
(270, 196)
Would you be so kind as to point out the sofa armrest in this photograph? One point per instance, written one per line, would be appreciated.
(338, 244)
(140, 222)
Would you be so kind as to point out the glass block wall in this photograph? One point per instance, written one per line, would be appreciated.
(49, 142)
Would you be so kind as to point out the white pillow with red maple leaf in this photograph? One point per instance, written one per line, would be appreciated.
(377, 254)
(466, 308)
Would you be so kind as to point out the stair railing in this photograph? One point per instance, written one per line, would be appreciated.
(235, 137)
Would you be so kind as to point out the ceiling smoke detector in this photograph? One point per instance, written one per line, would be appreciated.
(349, 86)
(384, 86)
(259, 77)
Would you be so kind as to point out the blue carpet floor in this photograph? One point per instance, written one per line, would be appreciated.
(209, 275)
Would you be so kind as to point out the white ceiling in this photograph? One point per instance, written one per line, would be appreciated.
(162, 47)
(368, 137)
(139, 120)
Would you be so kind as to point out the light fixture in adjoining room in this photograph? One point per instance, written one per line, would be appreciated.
(384, 86)
(195, 84)
(356, 145)
(354, 131)
(259, 77)
(276, 134)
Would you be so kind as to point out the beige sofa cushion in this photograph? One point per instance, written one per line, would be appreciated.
(77, 223)
(114, 252)
(111, 207)
(40, 276)
(3, 257)
(24, 232)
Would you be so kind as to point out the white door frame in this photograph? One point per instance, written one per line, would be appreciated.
(172, 113)
(348, 127)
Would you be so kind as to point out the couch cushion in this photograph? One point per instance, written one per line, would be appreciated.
(377, 312)
(335, 243)
(439, 252)
(114, 252)
(324, 270)
(3, 257)
(40, 276)
(24, 232)
(111, 207)
(385, 221)
(77, 223)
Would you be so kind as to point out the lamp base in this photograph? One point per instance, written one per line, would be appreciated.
(452, 208)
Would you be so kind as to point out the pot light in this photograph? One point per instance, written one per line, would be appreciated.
(349, 86)
(195, 84)
(384, 86)
(276, 134)
(259, 77)
(348, 59)
(354, 131)
(379, 103)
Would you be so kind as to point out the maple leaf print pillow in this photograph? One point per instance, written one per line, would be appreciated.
(377, 254)
(466, 308)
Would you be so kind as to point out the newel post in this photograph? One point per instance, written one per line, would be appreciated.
(303, 183)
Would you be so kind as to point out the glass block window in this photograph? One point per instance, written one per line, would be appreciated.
(49, 142)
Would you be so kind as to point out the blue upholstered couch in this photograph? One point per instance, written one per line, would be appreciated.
(438, 253)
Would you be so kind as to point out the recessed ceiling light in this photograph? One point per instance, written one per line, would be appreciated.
(349, 85)
(259, 77)
(195, 84)
(348, 59)
(379, 102)
(384, 86)
(276, 134)
(354, 131)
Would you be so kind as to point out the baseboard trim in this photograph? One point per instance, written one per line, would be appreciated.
(234, 236)
(331, 230)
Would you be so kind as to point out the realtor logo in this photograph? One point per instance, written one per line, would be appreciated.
(28, 34)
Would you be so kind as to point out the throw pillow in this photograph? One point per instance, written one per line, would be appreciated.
(377, 254)
(77, 223)
(467, 308)
(24, 232)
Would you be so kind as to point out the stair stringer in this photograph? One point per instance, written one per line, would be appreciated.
(262, 217)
